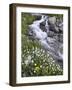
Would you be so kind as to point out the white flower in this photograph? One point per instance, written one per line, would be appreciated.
(28, 60)
(29, 57)
(40, 66)
(32, 61)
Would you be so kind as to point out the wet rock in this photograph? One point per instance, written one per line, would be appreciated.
(42, 26)
(59, 24)
(53, 28)
(50, 34)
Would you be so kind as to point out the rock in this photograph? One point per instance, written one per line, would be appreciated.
(42, 26)
(50, 34)
(38, 17)
(59, 22)
(43, 23)
(56, 29)
(52, 20)
(61, 28)
(60, 37)
(53, 28)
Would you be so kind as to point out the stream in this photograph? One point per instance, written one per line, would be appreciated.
(50, 38)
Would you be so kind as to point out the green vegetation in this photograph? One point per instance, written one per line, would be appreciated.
(27, 19)
(56, 15)
(35, 61)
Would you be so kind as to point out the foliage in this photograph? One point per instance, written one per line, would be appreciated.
(27, 19)
(35, 61)
(56, 15)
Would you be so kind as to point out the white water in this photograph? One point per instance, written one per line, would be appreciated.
(49, 44)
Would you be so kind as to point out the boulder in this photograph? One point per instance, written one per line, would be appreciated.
(52, 20)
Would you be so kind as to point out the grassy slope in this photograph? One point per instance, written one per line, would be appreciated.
(35, 61)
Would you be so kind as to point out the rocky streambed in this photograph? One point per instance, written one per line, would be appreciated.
(48, 31)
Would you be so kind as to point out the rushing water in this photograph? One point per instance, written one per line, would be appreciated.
(50, 44)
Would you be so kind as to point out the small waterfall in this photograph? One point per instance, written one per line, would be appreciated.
(46, 25)
(49, 44)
